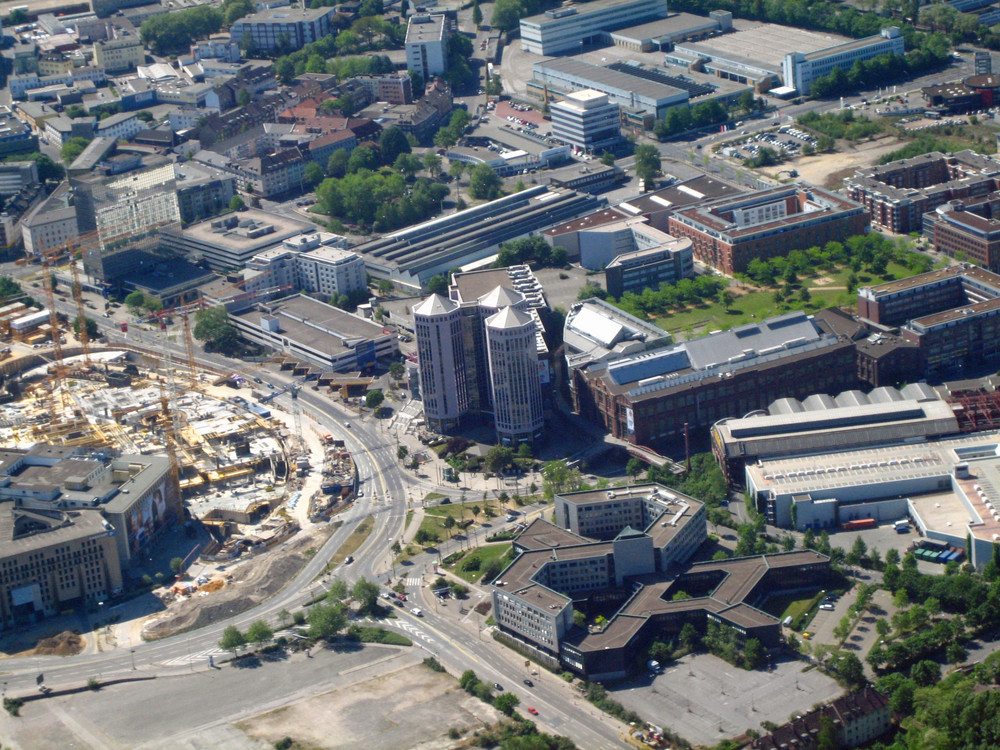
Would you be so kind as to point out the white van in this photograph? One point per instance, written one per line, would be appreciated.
(417, 611)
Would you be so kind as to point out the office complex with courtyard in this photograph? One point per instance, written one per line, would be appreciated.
(626, 551)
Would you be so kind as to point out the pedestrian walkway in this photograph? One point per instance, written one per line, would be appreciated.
(195, 658)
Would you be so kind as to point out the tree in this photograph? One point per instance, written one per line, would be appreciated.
(374, 399)
(213, 327)
(366, 594)
(407, 165)
(498, 458)
(392, 143)
(882, 627)
(236, 203)
(176, 564)
(72, 148)
(336, 165)
(484, 183)
(456, 169)
(688, 636)
(726, 299)
(432, 163)
(135, 300)
(402, 452)
(326, 620)
(647, 162)
(232, 639)
(849, 667)
(313, 174)
(925, 673)
(607, 158)
(753, 653)
(337, 591)
(89, 325)
(827, 738)
(361, 158)
(283, 616)
(259, 632)
(505, 703)
(397, 371)
(448, 523)
(477, 14)
(635, 467)
(892, 556)
(243, 98)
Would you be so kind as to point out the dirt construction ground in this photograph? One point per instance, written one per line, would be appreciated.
(410, 709)
(829, 170)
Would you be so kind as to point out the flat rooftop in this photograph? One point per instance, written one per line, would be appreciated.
(425, 28)
(590, 221)
(605, 78)
(671, 26)
(979, 275)
(286, 14)
(303, 318)
(766, 44)
(246, 230)
(681, 194)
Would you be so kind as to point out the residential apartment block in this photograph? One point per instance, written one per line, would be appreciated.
(289, 26)
(331, 271)
(426, 45)
(952, 315)
(898, 195)
(51, 224)
(121, 53)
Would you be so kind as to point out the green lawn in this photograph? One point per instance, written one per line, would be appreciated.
(757, 305)
(484, 555)
(792, 605)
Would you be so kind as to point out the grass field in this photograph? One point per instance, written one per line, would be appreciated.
(434, 516)
(354, 541)
(826, 289)
(792, 605)
(484, 555)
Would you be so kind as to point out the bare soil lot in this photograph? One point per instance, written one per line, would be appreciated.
(829, 170)
(410, 709)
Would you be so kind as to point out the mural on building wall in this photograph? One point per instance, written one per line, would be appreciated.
(145, 519)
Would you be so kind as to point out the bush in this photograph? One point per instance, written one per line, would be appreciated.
(433, 664)
(13, 706)
(93, 683)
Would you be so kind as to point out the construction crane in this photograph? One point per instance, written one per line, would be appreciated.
(57, 395)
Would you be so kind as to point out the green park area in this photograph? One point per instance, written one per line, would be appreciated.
(807, 280)
(481, 563)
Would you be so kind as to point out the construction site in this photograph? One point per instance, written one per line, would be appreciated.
(237, 462)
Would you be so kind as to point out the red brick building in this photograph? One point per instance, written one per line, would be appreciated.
(730, 232)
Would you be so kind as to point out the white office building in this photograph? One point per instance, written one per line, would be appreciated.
(514, 381)
(427, 45)
(588, 121)
(331, 271)
(800, 70)
(441, 359)
(571, 27)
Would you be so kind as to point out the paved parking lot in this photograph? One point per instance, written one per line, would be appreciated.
(705, 699)
(881, 538)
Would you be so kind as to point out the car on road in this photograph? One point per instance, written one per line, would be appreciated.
(529, 683)
(532, 710)
(349, 559)
(498, 687)
(271, 386)
(417, 611)
(347, 425)
(257, 380)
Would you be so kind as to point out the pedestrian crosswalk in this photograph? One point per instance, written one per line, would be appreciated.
(195, 658)
(413, 581)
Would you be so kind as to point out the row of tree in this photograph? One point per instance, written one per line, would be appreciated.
(676, 296)
(174, 32)
(534, 251)
(380, 200)
(682, 118)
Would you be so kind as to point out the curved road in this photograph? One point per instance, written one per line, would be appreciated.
(380, 474)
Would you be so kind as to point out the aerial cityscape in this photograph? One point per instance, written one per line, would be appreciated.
(517, 374)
